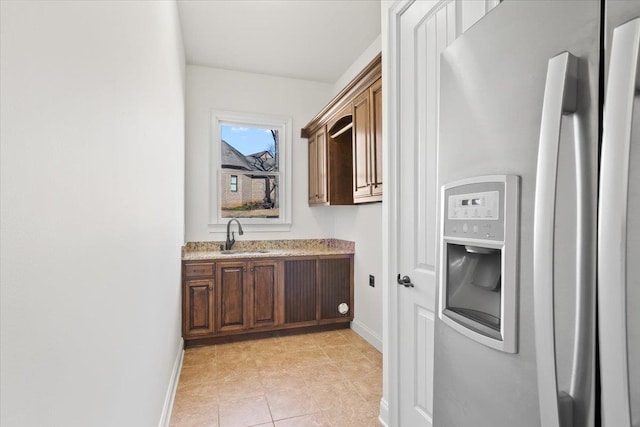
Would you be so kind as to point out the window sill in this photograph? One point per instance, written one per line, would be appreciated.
(250, 228)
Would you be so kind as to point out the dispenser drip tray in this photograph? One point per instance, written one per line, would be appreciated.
(486, 319)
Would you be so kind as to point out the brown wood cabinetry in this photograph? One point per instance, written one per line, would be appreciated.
(198, 307)
(264, 294)
(233, 297)
(300, 294)
(376, 135)
(334, 277)
(230, 296)
(350, 130)
(361, 145)
(367, 145)
(330, 181)
(197, 299)
(247, 295)
(318, 167)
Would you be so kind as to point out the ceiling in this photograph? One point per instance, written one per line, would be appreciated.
(305, 39)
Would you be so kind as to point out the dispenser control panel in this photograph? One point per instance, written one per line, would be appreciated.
(474, 206)
(475, 211)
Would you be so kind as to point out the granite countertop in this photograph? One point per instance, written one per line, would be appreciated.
(267, 249)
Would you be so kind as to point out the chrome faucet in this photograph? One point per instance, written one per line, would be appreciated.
(231, 240)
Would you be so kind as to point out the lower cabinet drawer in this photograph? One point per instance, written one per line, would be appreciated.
(198, 270)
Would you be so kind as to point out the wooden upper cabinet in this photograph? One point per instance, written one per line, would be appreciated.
(350, 127)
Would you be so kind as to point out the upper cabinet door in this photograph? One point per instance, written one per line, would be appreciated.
(361, 142)
(376, 139)
(318, 168)
(313, 170)
(321, 145)
(367, 145)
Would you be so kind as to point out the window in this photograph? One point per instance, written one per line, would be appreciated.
(249, 172)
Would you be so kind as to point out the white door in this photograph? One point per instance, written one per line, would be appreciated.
(418, 32)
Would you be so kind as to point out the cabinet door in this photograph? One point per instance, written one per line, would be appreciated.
(318, 167)
(376, 140)
(361, 142)
(230, 296)
(198, 308)
(263, 292)
(313, 169)
(321, 145)
(335, 282)
(300, 295)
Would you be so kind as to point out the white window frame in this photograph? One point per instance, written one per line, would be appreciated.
(284, 127)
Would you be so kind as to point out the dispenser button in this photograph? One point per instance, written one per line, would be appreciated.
(465, 228)
(475, 228)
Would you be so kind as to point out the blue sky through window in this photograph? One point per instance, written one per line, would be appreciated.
(247, 140)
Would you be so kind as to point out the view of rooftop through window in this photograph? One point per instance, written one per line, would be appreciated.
(250, 172)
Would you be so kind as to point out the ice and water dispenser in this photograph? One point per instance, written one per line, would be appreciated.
(478, 254)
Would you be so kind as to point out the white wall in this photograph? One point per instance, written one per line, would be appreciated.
(358, 65)
(210, 89)
(363, 225)
(92, 186)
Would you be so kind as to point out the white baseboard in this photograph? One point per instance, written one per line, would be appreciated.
(165, 418)
(366, 333)
(384, 413)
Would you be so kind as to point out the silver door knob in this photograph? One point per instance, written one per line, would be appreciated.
(405, 281)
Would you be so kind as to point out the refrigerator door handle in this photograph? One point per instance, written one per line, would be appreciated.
(623, 82)
(559, 99)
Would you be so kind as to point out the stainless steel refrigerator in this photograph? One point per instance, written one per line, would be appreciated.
(539, 262)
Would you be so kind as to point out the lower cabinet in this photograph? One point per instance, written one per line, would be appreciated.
(231, 296)
(241, 296)
(247, 295)
(198, 300)
(336, 290)
(300, 292)
(264, 294)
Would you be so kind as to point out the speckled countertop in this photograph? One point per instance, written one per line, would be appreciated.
(272, 248)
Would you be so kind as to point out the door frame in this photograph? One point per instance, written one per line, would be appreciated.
(391, 14)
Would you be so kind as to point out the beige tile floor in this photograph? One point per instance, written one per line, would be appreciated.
(318, 379)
